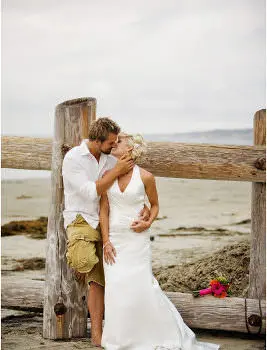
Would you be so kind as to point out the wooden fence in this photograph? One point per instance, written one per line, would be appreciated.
(65, 307)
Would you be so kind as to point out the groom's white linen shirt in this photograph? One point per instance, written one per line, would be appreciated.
(80, 171)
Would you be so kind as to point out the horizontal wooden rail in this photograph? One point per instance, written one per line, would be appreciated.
(203, 312)
(227, 314)
(181, 160)
(26, 153)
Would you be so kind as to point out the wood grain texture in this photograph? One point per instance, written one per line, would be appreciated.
(204, 312)
(204, 161)
(61, 289)
(26, 153)
(180, 160)
(213, 313)
(257, 273)
(22, 294)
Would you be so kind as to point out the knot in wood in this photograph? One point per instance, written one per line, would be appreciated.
(255, 320)
(60, 309)
(260, 163)
(65, 148)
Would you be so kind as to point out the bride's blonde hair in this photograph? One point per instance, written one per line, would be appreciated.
(137, 143)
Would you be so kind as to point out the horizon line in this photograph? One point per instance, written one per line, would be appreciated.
(145, 133)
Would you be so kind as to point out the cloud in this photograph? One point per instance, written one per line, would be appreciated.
(156, 66)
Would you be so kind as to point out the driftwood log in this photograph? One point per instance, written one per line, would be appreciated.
(65, 301)
(168, 159)
(203, 312)
(257, 268)
(26, 153)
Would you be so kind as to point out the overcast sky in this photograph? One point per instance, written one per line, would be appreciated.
(154, 66)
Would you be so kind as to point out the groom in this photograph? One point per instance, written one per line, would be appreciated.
(82, 170)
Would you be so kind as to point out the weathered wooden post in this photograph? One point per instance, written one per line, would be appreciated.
(65, 300)
(257, 269)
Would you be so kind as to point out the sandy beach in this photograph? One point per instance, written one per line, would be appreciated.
(197, 219)
(196, 216)
(24, 332)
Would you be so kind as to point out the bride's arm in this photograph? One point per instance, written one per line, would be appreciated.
(152, 195)
(109, 251)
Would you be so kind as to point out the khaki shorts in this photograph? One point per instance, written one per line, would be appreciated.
(85, 250)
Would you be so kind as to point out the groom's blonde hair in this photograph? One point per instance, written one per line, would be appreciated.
(101, 128)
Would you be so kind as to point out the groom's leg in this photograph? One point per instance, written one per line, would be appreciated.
(96, 310)
(96, 296)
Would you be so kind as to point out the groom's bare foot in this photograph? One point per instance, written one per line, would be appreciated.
(96, 342)
(96, 337)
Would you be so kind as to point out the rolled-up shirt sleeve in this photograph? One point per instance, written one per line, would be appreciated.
(76, 179)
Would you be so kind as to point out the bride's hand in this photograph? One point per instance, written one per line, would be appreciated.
(140, 225)
(109, 253)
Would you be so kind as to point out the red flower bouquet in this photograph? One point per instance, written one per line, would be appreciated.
(219, 288)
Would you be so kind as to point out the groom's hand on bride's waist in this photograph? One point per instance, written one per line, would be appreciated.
(144, 213)
(140, 225)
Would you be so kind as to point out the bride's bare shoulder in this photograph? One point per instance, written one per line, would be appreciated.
(146, 176)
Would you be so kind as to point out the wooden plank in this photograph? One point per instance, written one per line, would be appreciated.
(26, 153)
(61, 290)
(180, 160)
(257, 273)
(22, 294)
(214, 313)
(204, 312)
(204, 161)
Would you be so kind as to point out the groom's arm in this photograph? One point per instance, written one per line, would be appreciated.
(123, 165)
(76, 175)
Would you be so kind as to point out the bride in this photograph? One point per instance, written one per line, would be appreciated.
(138, 314)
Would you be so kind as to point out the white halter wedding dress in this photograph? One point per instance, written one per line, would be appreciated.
(138, 314)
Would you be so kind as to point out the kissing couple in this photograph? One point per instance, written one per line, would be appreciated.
(108, 228)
